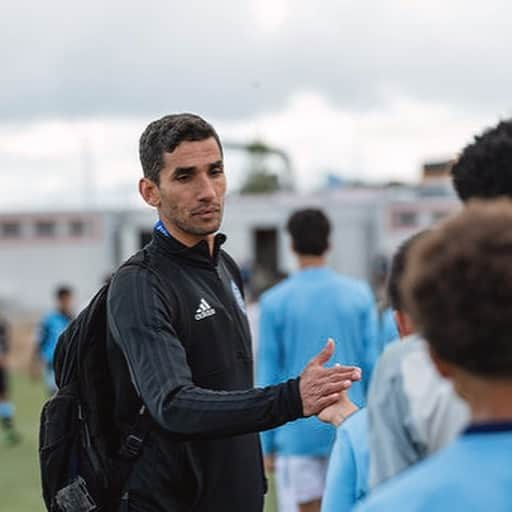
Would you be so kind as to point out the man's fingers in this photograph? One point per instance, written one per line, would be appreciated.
(327, 401)
(325, 354)
(357, 374)
(341, 372)
(336, 387)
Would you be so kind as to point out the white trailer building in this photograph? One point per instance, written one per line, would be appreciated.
(39, 250)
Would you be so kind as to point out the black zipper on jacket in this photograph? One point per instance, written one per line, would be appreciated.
(229, 301)
(196, 256)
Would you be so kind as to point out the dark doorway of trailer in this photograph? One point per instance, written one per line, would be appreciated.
(265, 269)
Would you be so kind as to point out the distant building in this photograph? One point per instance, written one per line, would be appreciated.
(437, 171)
(39, 250)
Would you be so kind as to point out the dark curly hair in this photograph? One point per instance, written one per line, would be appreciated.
(309, 229)
(397, 270)
(458, 288)
(484, 169)
(165, 134)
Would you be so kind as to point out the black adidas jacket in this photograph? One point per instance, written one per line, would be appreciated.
(179, 338)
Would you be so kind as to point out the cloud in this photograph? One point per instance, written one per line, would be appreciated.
(369, 88)
(61, 164)
(233, 60)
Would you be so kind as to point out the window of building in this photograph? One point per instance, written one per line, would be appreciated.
(77, 228)
(10, 230)
(405, 219)
(45, 228)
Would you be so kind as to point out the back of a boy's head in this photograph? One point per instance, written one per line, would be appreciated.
(484, 168)
(309, 229)
(458, 288)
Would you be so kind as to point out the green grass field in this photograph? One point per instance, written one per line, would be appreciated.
(19, 468)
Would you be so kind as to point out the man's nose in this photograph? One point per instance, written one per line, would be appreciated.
(206, 189)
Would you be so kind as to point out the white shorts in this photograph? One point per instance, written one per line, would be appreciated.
(299, 479)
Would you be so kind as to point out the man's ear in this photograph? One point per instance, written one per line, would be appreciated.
(149, 191)
(444, 368)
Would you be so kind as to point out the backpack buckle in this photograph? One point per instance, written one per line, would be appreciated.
(131, 447)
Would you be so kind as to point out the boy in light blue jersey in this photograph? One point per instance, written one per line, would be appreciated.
(458, 289)
(412, 410)
(50, 328)
(347, 475)
(296, 317)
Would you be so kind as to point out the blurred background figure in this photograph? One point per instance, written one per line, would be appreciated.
(10, 435)
(49, 330)
(296, 318)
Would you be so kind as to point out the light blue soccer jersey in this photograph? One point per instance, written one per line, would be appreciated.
(296, 318)
(347, 474)
(51, 327)
(473, 474)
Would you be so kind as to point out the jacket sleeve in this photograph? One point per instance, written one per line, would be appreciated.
(269, 362)
(141, 323)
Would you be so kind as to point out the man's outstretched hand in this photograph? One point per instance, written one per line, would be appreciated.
(321, 387)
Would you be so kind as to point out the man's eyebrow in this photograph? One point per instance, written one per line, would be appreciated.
(218, 163)
(184, 170)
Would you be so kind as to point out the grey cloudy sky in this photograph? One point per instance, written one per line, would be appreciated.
(363, 87)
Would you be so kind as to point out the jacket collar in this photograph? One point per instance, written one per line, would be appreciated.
(198, 254)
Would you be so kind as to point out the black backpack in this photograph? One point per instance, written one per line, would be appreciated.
(85, 462)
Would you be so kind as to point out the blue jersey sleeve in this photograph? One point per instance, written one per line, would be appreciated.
(340, 487)
(369, 329)
(269, 370)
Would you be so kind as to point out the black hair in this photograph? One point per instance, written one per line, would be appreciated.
(397, 270)
(309, 229)
(165, 134)
(63, 291)
(484, 168)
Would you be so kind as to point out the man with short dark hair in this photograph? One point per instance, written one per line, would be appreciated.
(460, 298)
(296, 317)
(50, 328)
(179, 341)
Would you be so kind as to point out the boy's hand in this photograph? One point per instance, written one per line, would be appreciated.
(337, 413)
